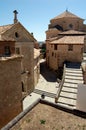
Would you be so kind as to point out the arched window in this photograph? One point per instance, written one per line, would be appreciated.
(16, 35)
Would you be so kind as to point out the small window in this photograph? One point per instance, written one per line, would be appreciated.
(70, 47)
(22, 86)
(16, 35)
(7, 51)
(17, 50)
(52, 53)
(71, 26)
(55, 47)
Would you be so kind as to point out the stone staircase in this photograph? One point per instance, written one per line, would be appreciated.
(68, 94)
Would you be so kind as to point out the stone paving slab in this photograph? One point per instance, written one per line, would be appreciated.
(30, 99)
(48, 94)
(44, 85)
(34, 96)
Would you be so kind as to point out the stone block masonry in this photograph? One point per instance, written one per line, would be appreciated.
(10, 88)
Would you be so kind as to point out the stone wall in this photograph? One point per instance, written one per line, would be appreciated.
(56, 58)
(27, 65)
(65, 22)
(36, 71)
(10, 89)
(25, 42)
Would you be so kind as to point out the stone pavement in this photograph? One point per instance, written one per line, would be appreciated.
(47, 85)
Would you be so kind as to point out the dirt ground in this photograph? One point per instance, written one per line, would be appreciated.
(44, 117)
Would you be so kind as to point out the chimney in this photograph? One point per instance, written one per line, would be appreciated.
(15, 16)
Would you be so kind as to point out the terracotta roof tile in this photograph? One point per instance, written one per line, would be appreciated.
(6, 38)
(72, 32)
(5, 28)
(66, 14)
(69, 40)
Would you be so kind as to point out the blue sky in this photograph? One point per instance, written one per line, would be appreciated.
(35, 15)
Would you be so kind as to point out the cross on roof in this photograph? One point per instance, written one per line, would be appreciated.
(15, 16)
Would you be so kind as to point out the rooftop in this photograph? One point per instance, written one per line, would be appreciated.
(45, 117)
(5, 28)
(66, 14)
(72, 32)
(69, 40)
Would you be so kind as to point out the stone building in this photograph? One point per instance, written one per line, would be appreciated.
(16, 68)
(24, 45)
(10, 81)
(65, 40)
(36, 65)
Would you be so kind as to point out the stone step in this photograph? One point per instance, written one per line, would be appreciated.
(73, 71)
(69, 102)
(52, 95)
(73, 85)
(69, 90)
(84, 54)
(70, 81)
(68, 95)
(73, 77)
(67, 105)
(74, 74)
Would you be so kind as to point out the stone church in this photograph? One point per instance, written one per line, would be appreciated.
(65, 40)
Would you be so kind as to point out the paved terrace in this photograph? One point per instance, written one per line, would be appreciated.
(49, 87)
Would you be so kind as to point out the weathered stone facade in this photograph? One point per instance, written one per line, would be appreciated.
(10, 88)
(65, 40)
(24, 45)
(36, 66)
(17, 75)
(27, 65)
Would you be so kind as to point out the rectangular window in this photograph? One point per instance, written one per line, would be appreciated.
(70, 47)
(7, 51)
(17, 50)
(55, 47)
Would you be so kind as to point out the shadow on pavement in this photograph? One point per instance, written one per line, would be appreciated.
(48, 74)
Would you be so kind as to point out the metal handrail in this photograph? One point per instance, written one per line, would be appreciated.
(60, 85)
